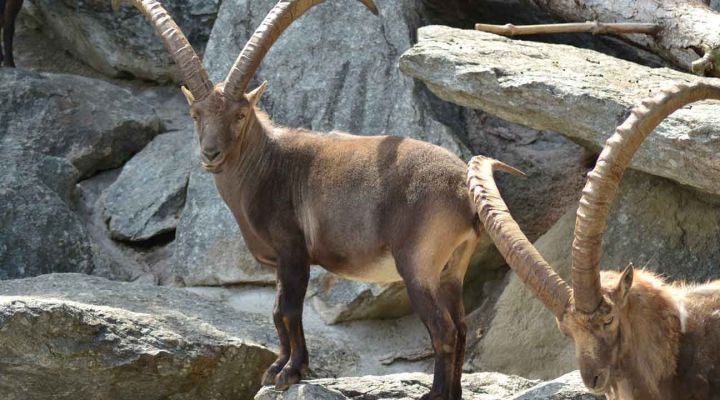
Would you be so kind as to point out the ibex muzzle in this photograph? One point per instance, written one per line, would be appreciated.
(374, 208)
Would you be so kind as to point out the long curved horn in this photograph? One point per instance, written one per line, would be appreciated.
(602, 184)
(520, 254)
(274, 24)
(194, 74)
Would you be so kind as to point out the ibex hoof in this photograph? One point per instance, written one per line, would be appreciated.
(287, 377)
(270, 375)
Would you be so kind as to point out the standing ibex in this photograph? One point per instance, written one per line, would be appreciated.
(9, 10)
(377, 208)
(635, 336)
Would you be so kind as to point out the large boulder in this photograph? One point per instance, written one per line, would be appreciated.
(39, 233)
(209, 248)
(70, 336)
(655, 223)
(122, 44)
(478, 386)
(93, 124)
(147, 198)
(577, 92)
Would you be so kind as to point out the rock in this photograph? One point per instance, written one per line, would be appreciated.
(655, 223)
(93, 124)
(478, 386)
(209, 249)
(148, 196)
(69, 336)
(566, 387)
(39, 233)
(338, 300)
(578, 93)
(322, 77)
(122, 44)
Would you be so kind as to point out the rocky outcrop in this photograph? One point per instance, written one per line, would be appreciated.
(209, 248)
(655, 223)
(122, 44)
(479, 386)
(148, 196)
(71, 336)
(39, 233)
(578, 93)
(93, 124)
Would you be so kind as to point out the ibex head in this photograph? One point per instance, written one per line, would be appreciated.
(594, 312)
(223, 113)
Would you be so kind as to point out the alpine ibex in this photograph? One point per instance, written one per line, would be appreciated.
(635, 336)
(376, 208)
(9, 10)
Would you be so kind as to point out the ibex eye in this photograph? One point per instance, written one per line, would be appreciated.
(240, 117)
(609, 320)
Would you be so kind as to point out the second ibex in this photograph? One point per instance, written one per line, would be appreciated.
(377, 208)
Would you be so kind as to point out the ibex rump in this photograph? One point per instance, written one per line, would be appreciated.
(374, 208)
(9, 10)
(635, 336)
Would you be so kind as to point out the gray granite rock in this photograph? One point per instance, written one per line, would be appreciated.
(39, 233)
(148, 196)
(125, 43)
(579, 93)
(70, 336)
(93, 124)
(477, 386)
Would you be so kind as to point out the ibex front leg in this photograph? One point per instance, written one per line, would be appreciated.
(292, 363)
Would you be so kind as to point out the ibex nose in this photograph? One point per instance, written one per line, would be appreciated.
(210, 155)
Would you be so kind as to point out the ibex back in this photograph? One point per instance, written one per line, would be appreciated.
(377, 208)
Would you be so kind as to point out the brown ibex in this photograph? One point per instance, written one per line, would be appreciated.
(9, 10)
(635, 336)
(376, 208)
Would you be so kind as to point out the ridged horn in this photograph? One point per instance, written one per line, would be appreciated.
(521, 255)
(274, 24)
(602, 184)
(195, 76)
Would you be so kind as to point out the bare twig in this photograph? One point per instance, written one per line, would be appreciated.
(706, 63)
(593, 27)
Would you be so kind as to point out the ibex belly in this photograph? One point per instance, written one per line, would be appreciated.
(379, 270)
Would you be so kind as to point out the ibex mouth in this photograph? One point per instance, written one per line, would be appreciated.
(213, 168)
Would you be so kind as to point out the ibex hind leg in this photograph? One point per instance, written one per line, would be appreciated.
(451, 287)
(2, 28)
(439, 306)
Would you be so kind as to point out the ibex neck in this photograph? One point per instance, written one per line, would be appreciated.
(252, 152)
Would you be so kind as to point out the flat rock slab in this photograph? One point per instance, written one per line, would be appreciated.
(71, 336)
(576, 92)
(478, 386)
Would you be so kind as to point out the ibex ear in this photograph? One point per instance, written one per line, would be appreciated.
(254, 96)
(624, 285)
(188, 95)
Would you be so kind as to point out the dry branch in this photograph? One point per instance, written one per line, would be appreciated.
(691, 29)
(594, 27)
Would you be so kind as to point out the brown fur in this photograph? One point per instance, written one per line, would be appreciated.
(662, 342)
(375, 208)
(9, 10)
